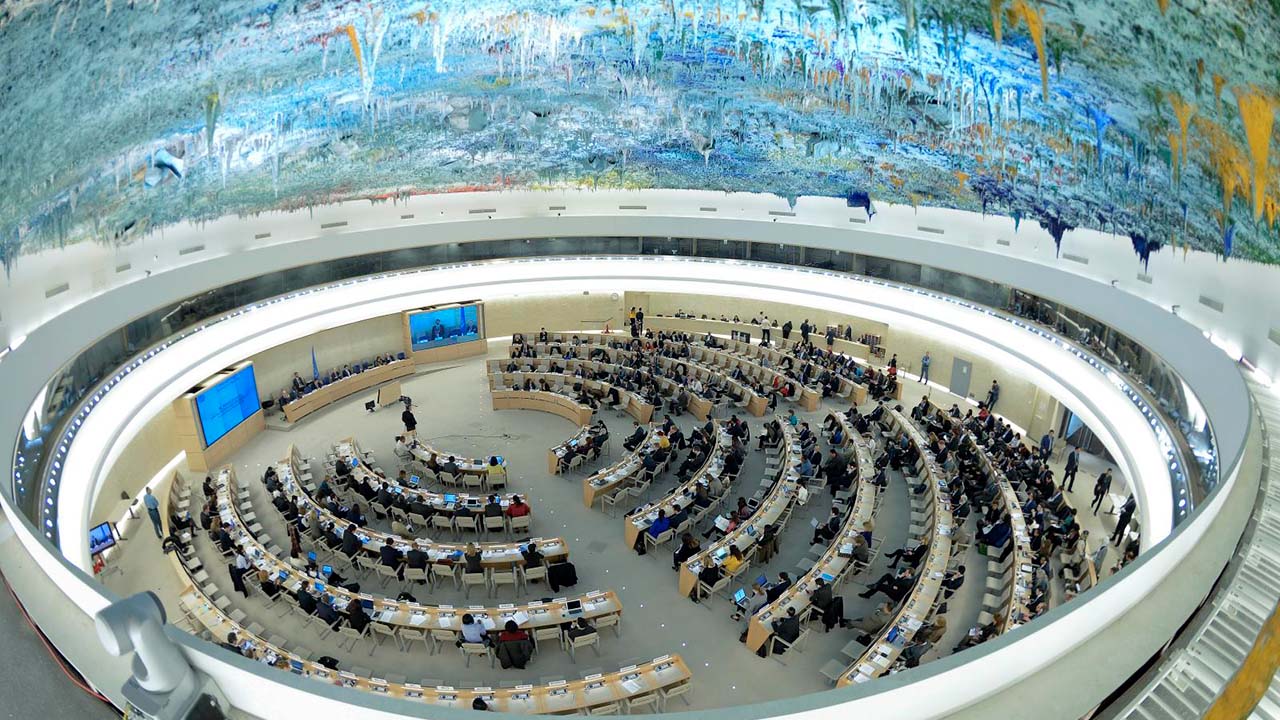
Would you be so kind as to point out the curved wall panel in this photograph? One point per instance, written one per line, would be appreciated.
(1157, 580)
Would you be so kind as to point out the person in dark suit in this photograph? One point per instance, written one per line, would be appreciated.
(895, 586)
(1069, 473)
(391, 557)
(416, 559)
(1100, 490)
(786, 629)
(328, 615)
(775, 590)
(357, 618)
(306, 600)
(1122, 522)
(912, 556)
(410, 422)
(637, 437)
(350, 543)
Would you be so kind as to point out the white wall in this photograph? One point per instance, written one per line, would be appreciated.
(529, 312)
(153, 447)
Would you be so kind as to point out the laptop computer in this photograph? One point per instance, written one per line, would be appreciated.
(762, 581)
(414, 479)
(573, 607)
(450, 498)
(326, 569)
(740, 597)
(355, 462)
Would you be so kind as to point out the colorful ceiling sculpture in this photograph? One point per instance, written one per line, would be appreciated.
(1152, 119)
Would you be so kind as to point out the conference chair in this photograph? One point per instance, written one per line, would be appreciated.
(651, 542)
(495, 523)
(612, 708)
(680, 690)
(470, 650)
(592, 641)
(647, 700)
(380, 633)
(520, 525)
(796, 646)
(548, 636)
(466, 523)
(613, 621)
(355, 637)
(536, 572)
(470, 580)
(440, 637)
(442, 522)
(473, 482)
(387, 574)
(418, 575)
(408, 636)
(501, 577)
(442, 571)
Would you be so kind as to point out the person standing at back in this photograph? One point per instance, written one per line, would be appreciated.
(993, 395)
(153, 511)
(1069, 473)
(924, 367)
(1122, 522)
(410, 422)
(1100, 490)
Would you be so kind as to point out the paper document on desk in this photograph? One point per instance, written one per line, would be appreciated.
(417, 619)
(520, 617)
(866, 670)
(445, 621)
(386, 616)
(632, 686)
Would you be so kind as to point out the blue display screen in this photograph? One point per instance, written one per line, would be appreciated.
(101, 537)
(227, 404)
(436, 328)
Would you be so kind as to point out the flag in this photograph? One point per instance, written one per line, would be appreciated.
(315, 367)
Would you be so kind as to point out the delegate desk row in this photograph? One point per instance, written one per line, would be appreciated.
(1016, 593)
(494, 555)
(781, 477)
(397, 614)
(338, 389)
(663, 675)
(918, 606)
(700, 405)
(601, 388)
(837, 560)
(612, 345)
(642, 518)
(507, 382)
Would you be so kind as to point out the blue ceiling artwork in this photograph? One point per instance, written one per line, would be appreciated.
(1149, 119)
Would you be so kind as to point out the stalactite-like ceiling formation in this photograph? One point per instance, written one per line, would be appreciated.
(1152, 119)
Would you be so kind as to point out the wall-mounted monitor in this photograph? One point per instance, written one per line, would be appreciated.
(227, 403)
(101, 538)
(445, 326)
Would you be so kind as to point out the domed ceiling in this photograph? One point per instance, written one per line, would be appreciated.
(1152, 119)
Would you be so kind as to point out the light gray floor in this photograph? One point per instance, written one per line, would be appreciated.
(453, 411)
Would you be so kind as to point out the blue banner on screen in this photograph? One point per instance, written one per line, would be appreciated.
(436, 328)
(101, 537)
(227, 404)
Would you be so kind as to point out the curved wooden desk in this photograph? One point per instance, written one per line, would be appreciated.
(548, 402)
(838, 558)
(700, 406)
(774, 504)
(494, 555)
(513, 382)
(557, 451)
(606, 480)
(559, 697)
(882, 653)
(336, 391)
(635, 523)
(393, 612)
